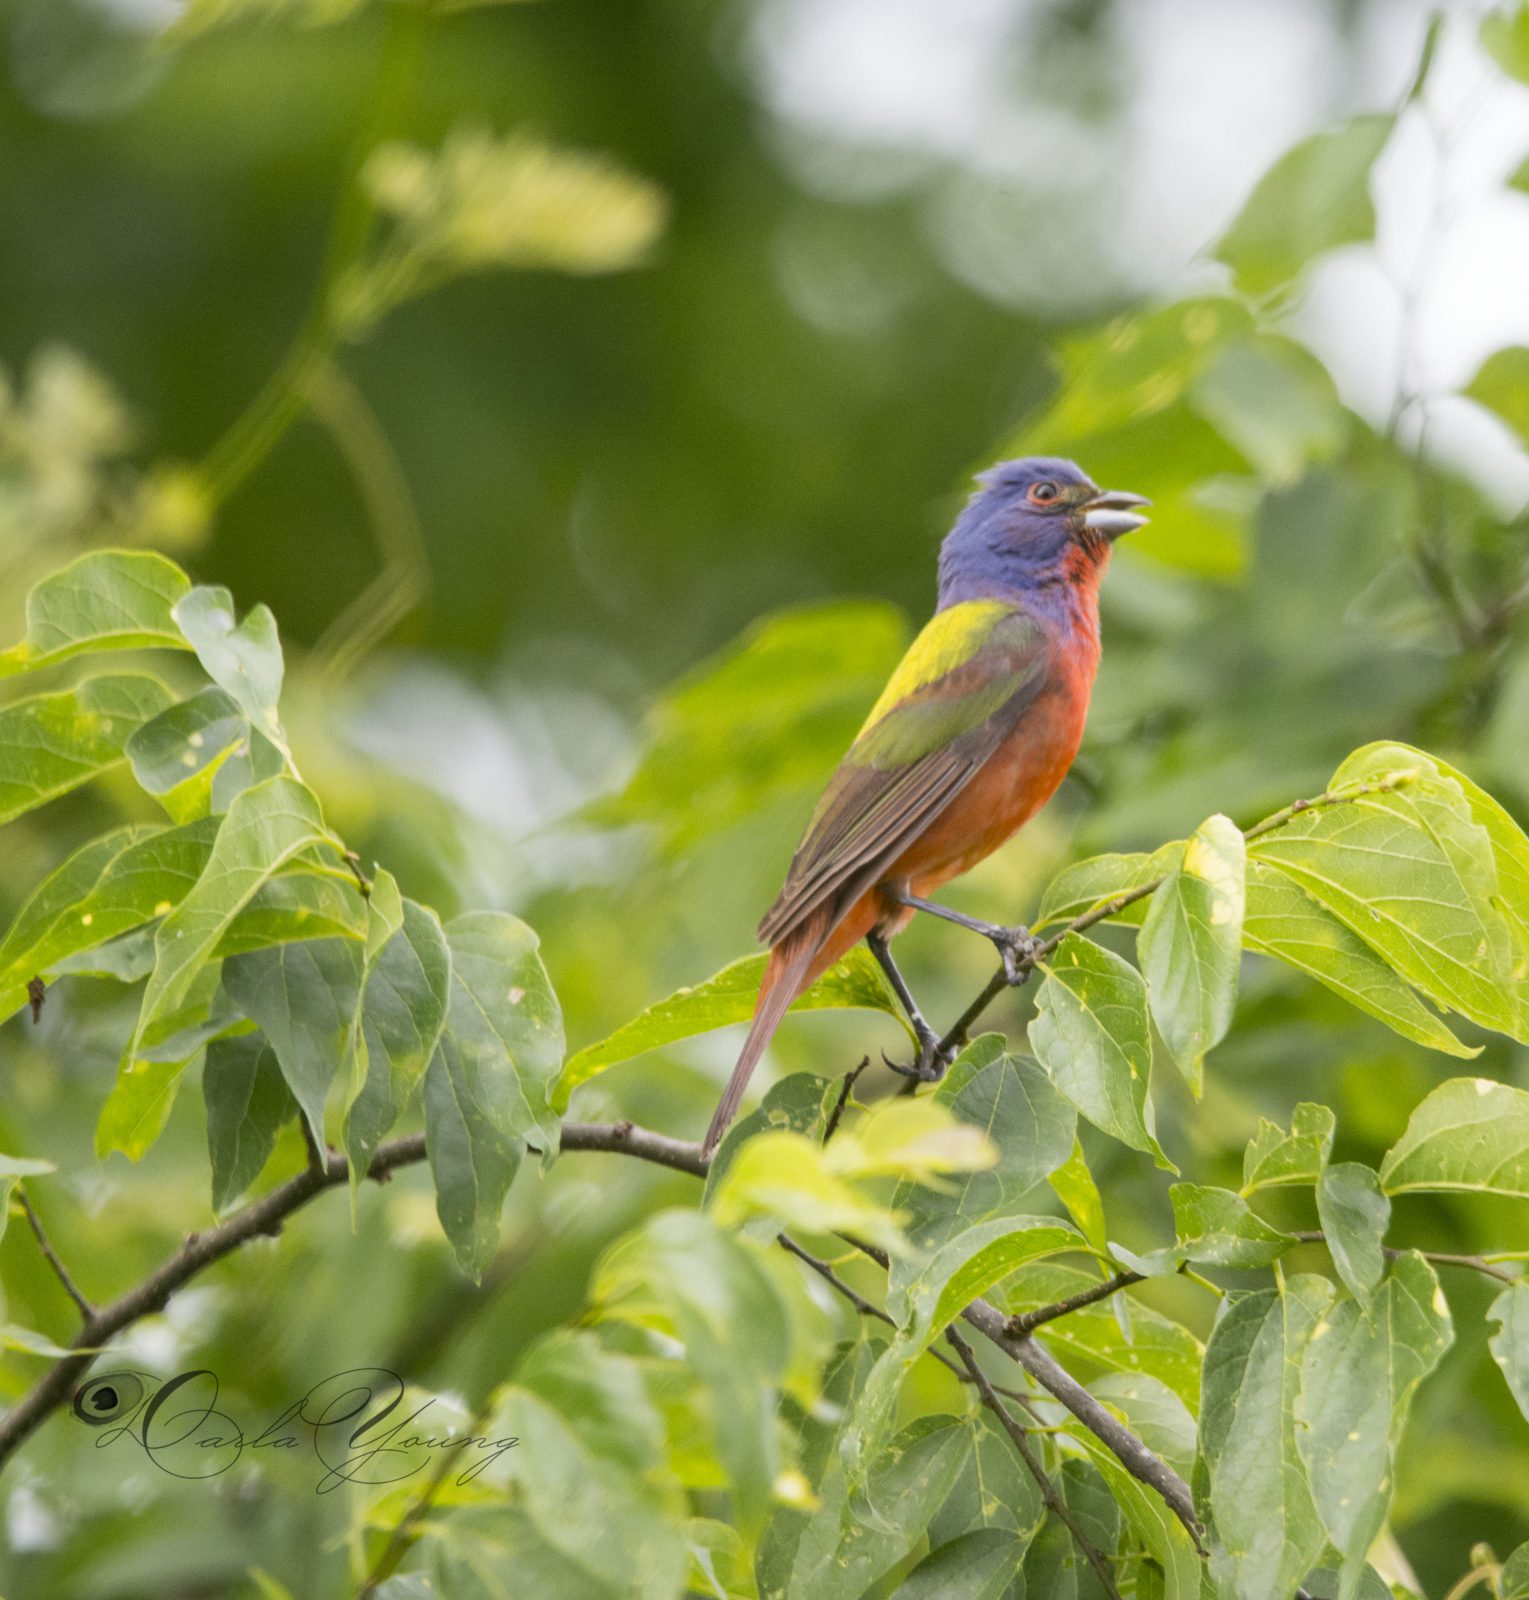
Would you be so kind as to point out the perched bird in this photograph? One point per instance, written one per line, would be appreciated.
(970, 738)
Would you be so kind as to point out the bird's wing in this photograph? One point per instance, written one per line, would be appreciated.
(964, 683)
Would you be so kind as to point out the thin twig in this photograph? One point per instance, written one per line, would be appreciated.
(1055, 1504)
(846, 1087)
(1439, 1258)
(1027, 1321)
(51, 1256)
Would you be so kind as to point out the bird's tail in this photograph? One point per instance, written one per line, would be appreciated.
(784, 977)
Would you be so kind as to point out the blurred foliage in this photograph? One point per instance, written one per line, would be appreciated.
(313, 381)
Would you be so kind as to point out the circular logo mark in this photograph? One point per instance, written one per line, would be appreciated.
(107, 1399)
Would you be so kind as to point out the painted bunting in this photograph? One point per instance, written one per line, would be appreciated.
(971, 736)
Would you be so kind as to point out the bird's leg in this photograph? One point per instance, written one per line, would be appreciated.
(1016, 946)
(932, 1061)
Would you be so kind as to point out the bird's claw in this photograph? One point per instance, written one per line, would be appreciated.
(1017, 948)
(929, 1066)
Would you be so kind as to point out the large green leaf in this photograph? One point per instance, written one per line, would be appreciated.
(1469, 1133)
(1359, 1371)
(727, 997)
(107, 600)
(53, 743)
(1091, 1034)
(1265, 1532)
(487, 1083)
(977, 1565)
(1412, 872)
(247, 1101)
(405, 991)
(1085, 886)
(296, 904)
(1285, 922)
(265, 827)
(1313, 199)
(115, 883)
(1054, 1566)
(303, 998)
(176, 755)
(1191, 944)
(993, 1491)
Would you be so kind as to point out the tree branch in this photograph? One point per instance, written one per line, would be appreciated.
(1027, 1321)
(1055, 1504)
(1439, 1258)
(51, 1256)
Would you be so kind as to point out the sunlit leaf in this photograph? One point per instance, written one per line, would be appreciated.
(1469, 1133)
(728, 997)
(1505, 37)
(1091, 1034)
(1191, 944)
(53, 743)
(1265, 1533)
(1073, 1184)
(914, 1139)
(107, 600)
(799, 1103)
(265, 827)
(1313, 199)
(242, 658)
(1087, 885)
(1359, 1371)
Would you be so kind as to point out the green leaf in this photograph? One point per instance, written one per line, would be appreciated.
(1190, 945)
(1274, 1157)
(993, 1491)
(1505, 37)
(1469, 1133)
(12, 1170)
(763, 721)
(1073, 1184)
(265, 827)
(1501, 385)
(1285, 922)
(151, 1068)
(798, 1104)
(1510, 1344)
(1014, 1104)
(1119, 1334)
(177, 753)
(1264, 1530)
(1412, 872)
(113, 884)
(296, 904)
(977, 1566)
(487, 1084)
(1359, 1372)
(14, 1337)
(605, 1390)
(1085, 886)
(1159, 1419)
(107, 600)
(1513, 1581)
(682, 1274)
(1053, 1566)
(1315, 198)
(247, 1102)
(1354, 1215)
(243, 659)
(855, 983)
(1090, 1032)
(303, 998)
(1216, 1229)
(53, 743)
(406, 988)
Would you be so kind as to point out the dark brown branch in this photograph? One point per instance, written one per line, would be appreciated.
(51, 1256)
(1055, 1504)
(960, 1030)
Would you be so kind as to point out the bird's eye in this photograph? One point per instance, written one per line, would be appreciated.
(1042, 494)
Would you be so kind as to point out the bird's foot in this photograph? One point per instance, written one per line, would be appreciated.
(1017, 948)
(932, 1062)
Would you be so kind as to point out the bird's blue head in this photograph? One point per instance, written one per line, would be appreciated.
(1035, 524)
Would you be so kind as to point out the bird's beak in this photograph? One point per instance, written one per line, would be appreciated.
(1111, 513)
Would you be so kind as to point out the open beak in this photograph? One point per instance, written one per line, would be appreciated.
(1112, 513)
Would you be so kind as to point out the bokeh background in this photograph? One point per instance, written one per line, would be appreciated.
(508, 527)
